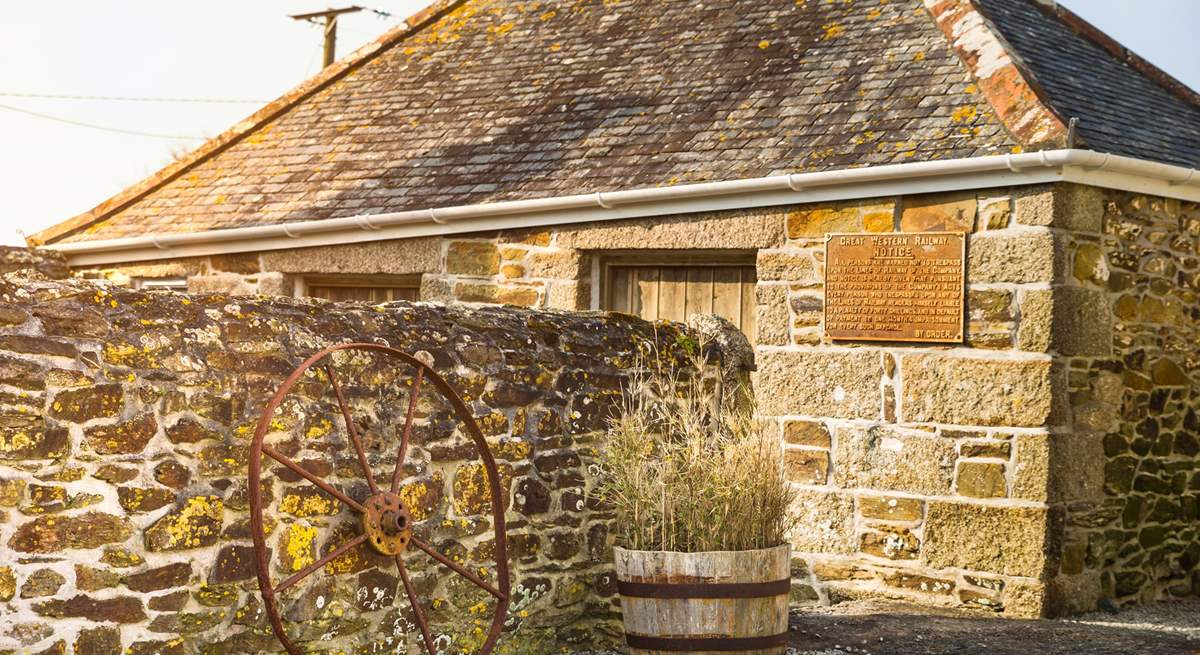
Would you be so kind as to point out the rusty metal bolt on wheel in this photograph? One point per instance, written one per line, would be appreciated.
(386, 523)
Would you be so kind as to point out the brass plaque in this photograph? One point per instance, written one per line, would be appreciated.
(895, 287)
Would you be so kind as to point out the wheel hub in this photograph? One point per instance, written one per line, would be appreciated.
(387, 523)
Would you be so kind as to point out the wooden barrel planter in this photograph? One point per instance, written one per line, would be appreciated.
(717, 602)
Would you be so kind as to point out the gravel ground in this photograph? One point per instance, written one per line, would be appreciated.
(884, 628)
(880, 628)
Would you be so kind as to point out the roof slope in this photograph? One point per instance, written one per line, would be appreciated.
(1124, 104)
(491, 100)
(501, 100)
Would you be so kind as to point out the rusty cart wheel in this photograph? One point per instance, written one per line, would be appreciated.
(385, 525)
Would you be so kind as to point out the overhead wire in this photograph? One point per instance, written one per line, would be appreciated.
(65, 96)
(104, 128)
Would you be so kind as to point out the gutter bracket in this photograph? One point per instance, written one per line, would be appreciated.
(1102, 165)
(1184, 181)
(602, 202)
(435, 218)
(791, 182)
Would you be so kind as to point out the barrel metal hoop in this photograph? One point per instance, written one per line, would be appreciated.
(704, 590)
(720, 644)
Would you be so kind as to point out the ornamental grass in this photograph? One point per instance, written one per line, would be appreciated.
(687, 467)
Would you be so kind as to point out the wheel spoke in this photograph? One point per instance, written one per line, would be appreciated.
(362, 455)
(422, 622)
(332, 555)
(429, 550)
(408, 419)
(302, 472)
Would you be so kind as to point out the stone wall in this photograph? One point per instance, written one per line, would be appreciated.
(1133, 512)
(963, 476)
(922, 467)
(125, 419)
(549, 268)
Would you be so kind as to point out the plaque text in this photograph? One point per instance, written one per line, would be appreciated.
(895, 287)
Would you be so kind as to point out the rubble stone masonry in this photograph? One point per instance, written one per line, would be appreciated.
(125, 419)
(1043, 465)
(1130, 471)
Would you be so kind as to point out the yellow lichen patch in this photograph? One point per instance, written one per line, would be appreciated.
(259, 136)
(520, 417)
(764, 44)
(308, 502)
(421, 497)
(66, 378)
(124, 354)
(299, 546)
(472, 493)
(195, 524)
(832, 30)
(347, 562)
(118, 354)
(46, 495)
(874, 13)
(493, 424)
(511, 449)
(214, 595)
(920, 56)
(14, 441)
(964, 114)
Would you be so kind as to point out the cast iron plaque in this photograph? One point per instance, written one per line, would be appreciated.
(895, 287)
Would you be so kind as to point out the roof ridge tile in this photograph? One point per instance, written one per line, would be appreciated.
(1004, 79)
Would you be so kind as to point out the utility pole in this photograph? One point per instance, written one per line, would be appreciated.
(330, 17)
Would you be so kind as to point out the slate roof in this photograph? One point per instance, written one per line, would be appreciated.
(1123, 103)
(488, 100)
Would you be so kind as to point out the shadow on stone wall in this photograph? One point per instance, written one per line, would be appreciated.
(125, 419)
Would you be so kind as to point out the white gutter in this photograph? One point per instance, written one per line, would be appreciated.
(1080, 166)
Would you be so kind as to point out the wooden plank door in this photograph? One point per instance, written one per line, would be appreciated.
(676, 292)
(366, 294)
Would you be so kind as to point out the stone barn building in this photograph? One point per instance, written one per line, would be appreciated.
(665, 158)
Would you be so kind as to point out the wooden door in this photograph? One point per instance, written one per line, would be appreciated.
(360, 293)
(676, 292)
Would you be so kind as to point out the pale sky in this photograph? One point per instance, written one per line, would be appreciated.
(239, 50)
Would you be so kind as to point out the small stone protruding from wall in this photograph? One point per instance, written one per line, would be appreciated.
(737, 353)
(48, 263)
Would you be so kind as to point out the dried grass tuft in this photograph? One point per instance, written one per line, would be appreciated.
(688, 468)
